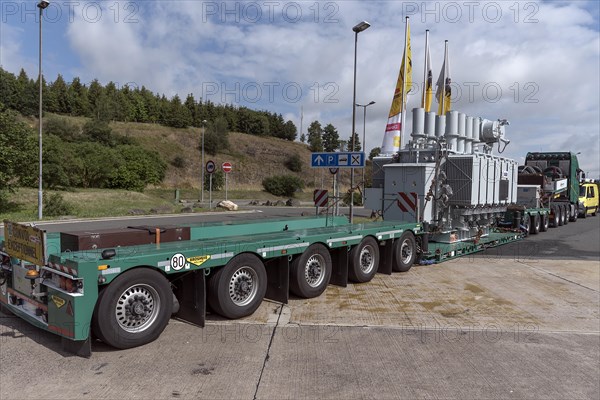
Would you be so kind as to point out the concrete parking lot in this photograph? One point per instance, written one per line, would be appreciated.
(469, 328)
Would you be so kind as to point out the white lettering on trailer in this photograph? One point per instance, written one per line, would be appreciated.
(330, 242)
(165, 264)
(265, 250)
(391, 233)
(110, 271)
(221, 255)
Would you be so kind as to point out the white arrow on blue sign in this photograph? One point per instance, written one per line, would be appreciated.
(338, 160)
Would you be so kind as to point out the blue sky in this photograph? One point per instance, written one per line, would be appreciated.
(535, 63)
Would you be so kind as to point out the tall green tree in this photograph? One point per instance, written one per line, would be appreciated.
(331, 138)
(289, 131)
(16, 151)
(354, 143)
(78, 93)
(315, 136)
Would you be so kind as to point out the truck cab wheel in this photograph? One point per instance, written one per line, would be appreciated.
(364, 260)
(574, 213)
(310, 273)
(238, 289)
(566, 214)
(134, 309)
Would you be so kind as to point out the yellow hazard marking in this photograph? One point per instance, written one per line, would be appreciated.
(198, 260)
(58, 301)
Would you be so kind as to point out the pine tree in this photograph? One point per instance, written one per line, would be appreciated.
(356, 146)
(331, 138)
(315, 133)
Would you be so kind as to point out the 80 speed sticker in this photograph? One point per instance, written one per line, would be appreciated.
(178, 262)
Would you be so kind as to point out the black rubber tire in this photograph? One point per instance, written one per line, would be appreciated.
(566, 214)
(405, 252)
(535, 226)
(245, 272)
(143, 282)
(526, 223)
(575, 214)
(545, 223)
(584, 214)
(314, 260)
(560, 215)
(595, 211)
(364, 260)
(554, 219)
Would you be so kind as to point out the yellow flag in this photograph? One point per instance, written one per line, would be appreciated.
(402, 83)
(443, 86)
(428, 99)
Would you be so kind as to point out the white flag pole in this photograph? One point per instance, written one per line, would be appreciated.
(403, 107)
(425, 69)
(444, 76)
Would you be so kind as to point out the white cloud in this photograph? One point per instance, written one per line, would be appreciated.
(544, 56)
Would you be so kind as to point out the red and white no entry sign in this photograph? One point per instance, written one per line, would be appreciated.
(227, 167)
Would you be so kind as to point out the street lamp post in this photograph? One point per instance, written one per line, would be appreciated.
(202, 166)
(42, 5)
(361, 26)
(364, 137)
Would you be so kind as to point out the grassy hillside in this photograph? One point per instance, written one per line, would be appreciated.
(253, 157)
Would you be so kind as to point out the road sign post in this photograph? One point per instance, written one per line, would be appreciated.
(210, 169)
(227, 167)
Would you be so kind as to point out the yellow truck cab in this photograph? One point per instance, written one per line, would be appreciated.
(588, 198)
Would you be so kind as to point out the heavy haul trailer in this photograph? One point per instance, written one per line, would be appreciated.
(125, 295)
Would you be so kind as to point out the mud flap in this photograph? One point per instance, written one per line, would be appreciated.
(278, 279)
(339, 261)
(386, 257)
(80, 348)
(191, 293)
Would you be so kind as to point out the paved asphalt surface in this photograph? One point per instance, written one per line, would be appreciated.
(519, 321)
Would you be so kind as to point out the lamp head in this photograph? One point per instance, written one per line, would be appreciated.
(43, 4)
(361, 26)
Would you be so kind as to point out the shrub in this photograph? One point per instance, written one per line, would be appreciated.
(178, 162)
(358, 201)
(294, 163)
(218, 180)
(55, 205)
(283, 185)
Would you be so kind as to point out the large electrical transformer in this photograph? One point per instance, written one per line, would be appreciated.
(447, 176)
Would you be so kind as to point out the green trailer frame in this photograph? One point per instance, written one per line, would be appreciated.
(188, 266)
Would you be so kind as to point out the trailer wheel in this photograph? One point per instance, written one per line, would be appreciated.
(560, 216)
(554, 218)
(566, 214)
(237, 289)
(364, 260)
(545, 223)
(535, 226)
(405, 252)
(134, 309)
(310, 273)
(526, 223)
